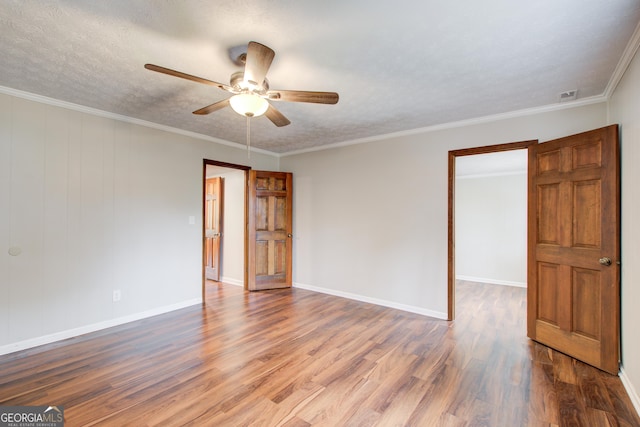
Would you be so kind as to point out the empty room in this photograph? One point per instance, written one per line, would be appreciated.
(281, 213)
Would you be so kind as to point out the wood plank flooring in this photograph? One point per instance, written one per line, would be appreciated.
(298, 358)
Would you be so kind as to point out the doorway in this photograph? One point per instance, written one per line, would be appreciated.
(573, 243)
(482, 269)
(213, 224)
(233, 200)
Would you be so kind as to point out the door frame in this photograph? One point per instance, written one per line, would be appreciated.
(453, 154)
(246, 170)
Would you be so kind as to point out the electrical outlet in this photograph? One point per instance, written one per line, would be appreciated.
(117, 295)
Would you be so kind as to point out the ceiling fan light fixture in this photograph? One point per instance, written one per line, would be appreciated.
(248, 104)
(250, 87)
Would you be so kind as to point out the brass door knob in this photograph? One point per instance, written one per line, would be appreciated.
(605, 261)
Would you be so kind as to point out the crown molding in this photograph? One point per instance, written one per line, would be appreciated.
(119, 117)
(623, 64)
(459, 124)
(625, 60)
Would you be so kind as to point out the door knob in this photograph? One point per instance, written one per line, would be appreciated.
(289, 235)
(605, 261)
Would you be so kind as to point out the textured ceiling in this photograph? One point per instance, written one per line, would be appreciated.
(397, 65)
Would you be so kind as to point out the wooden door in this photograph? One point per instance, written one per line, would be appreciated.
(214, 197)
(270, 226)
(573, 260)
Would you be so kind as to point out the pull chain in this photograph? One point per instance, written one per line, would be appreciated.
(248, 137)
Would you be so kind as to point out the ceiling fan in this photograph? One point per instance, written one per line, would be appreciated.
(250, 88)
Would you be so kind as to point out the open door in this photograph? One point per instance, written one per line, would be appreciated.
(270, 225)
(574, 246)
(214, 198)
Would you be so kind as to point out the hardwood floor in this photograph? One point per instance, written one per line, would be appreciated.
(298, 358)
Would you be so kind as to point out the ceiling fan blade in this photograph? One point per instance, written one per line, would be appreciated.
(303, 96)
(213, 107)
(186, 76)
(276, 116)
(259, 58)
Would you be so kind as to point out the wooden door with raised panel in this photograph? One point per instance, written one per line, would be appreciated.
(270, 225)
(574, 240)
(213, 208)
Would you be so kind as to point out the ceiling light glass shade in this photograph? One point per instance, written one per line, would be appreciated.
(248, 104)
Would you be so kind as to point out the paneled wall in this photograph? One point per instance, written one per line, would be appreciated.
(89, 205)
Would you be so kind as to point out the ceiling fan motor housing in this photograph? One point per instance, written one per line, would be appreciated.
(237, 82)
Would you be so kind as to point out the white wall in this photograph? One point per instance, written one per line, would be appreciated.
(96, 204)
(233, 227)
(370, 220)
(491, 229)
(625, 110)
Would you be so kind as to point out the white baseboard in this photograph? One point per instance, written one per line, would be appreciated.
(70, 333)
(232, 281)
(631, 391)
(376, 301)
(492, 281)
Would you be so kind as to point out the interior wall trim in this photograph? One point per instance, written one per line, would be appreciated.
(492, 281)
(460, 124)
(70, 333)
(232, 281)
(631, 391)
(623, 64)
(451, 125)
(375, 301)
(121, 118)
